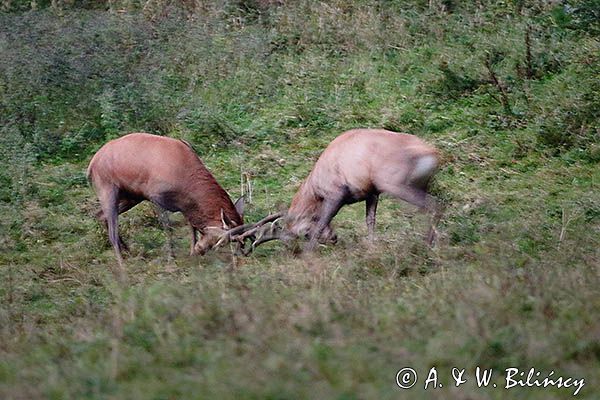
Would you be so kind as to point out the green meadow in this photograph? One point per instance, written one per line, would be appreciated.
(508, 91)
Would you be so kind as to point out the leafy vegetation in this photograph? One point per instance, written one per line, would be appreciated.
(509, 92)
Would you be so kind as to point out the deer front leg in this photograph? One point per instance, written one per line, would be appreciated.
(328, 210)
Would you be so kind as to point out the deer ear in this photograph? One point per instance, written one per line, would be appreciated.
(239, 206)
(227, 223)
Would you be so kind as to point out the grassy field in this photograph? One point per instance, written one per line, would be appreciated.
(508, 91)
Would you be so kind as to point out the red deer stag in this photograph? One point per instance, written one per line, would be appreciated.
(167, 172)
(358, 165)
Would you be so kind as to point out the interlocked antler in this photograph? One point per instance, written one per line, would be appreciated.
(242, 232)
(267, 232)
(262, 227)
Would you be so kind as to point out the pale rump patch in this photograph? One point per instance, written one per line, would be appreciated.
(424, 167)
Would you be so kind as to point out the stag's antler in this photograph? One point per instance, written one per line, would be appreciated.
(267, 233)
(262, 227)
(242, 232)
(262, 233)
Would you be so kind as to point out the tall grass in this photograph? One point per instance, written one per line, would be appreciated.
(507, 91)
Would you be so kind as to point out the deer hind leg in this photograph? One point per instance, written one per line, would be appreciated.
(419, 198)
(109, 202)
(328, 210)
(124, 205)
(371, 210)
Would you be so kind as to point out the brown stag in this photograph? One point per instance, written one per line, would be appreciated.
(167, 172)
(358, 165)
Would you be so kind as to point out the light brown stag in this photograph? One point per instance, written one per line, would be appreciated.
(358, 165)
(167, 172)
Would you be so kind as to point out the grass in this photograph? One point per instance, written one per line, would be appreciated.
(512, 282)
